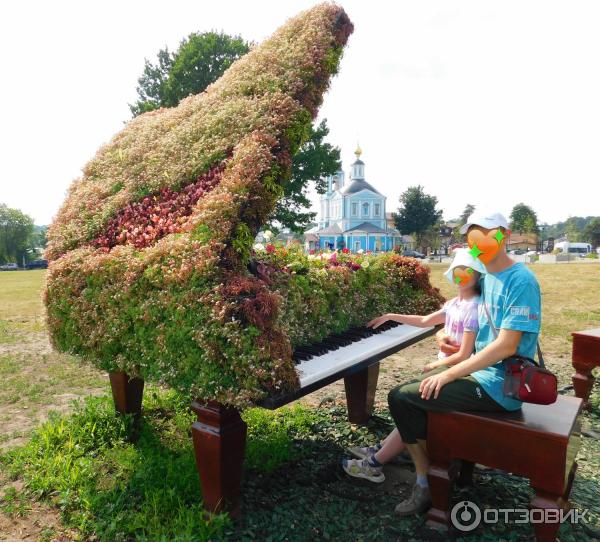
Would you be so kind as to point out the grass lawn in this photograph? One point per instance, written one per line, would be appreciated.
(72, 475)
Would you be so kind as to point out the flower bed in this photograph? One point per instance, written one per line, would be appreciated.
(151, 265)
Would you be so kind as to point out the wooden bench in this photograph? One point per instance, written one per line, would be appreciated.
(539, 442)
(586, 356)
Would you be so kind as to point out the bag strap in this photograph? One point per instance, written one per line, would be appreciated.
(495, 332)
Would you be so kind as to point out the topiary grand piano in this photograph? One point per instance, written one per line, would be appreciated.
(153, 275)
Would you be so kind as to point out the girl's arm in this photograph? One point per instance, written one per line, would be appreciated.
(432, 319)
(464, 352)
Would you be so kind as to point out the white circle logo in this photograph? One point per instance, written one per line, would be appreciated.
(465, 516)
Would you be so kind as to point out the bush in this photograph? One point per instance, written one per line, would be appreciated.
(151, 250)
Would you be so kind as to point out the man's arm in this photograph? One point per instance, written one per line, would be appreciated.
(464, 352)
(504, 346)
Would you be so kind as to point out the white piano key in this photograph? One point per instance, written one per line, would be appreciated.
(320, 367)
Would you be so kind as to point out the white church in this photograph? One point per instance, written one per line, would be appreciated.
(353, 215)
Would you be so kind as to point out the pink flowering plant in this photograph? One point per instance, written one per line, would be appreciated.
(153, 268)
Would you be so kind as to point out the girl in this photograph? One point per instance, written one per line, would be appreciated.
(460, 318)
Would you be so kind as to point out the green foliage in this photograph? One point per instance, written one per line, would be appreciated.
(199, 61)
(417, 213)
(242, 241)
(16, 233)
(269, 443)
(314, 161)
(105, 486)
(523, 219)
(591, 232)
(469, 210)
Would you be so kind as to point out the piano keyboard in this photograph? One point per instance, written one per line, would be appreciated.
(336, 353)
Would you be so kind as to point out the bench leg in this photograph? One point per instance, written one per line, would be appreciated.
(569, 485)
(441, 477)
(465, 478)
(583, 382)
(546, 532)
(219, 438)
(360, 393)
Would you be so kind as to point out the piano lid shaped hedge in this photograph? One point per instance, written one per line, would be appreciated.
(149, 252)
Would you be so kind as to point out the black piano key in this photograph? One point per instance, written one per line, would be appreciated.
(339, 340)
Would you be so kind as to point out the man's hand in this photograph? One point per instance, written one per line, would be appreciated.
(376, 322)
(445, 343)
(433, 384)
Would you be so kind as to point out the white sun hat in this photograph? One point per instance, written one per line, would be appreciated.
(463, 257)
(488, 221)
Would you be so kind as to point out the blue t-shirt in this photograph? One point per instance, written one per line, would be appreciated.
(514, 302)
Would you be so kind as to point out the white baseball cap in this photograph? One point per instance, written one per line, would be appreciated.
(485, 220)
(463, 257)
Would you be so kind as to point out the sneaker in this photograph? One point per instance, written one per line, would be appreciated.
(360, 468)
(365, 452)
(418, 502)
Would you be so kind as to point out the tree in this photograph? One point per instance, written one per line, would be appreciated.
(417, 213)
(199, 61)
(16, 229)
(573, 229)
(469, 210)
(591, 233)
(313, 162)
(523, 219)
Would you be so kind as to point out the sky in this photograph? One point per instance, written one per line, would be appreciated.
(488, 103)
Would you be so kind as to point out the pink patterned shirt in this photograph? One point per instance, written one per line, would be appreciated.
(461, 316)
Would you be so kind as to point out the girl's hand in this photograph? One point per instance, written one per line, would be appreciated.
(431, 366)
(376, 322)
(433, 384)
(446, 344)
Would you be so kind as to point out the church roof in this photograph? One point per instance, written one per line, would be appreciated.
(367, 227)
(330, 230)
(356, 185)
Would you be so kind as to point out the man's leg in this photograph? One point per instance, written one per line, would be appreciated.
(409, 411)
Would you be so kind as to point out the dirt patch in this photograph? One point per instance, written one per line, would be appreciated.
(38, 380)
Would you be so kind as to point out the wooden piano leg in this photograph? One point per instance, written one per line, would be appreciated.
(127, 395)
(441, 476)
(546, 532)
(219, 438)
(583, 382)
(127, 392)
(360, 393)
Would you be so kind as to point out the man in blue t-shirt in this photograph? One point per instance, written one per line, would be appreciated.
(511, 294)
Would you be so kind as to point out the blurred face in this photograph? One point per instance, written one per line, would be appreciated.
(486, 244)
(464, 277)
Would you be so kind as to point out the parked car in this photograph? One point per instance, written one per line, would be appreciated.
(413, 254)
(9, 267)
(37, 264)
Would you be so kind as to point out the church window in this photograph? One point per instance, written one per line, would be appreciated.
(365, 209)
(376, 209)
(355, 209)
